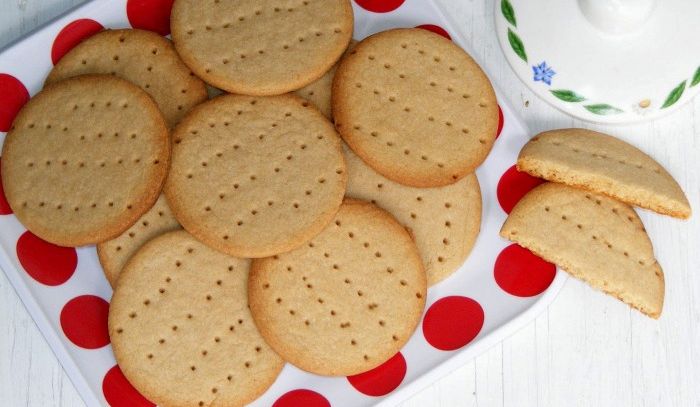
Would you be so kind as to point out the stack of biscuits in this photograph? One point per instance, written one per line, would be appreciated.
(299, 216)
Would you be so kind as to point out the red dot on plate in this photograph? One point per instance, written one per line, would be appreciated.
(381, 380)
(120, 393)
(45, 262)
(452, 322)
(4, 205)
(13, 95)
(436, 29)
(513, 185)
(153, 15)
(84, 321)
(71, 35)
(380, 6)
(521, 273)
(301, 397)
(500, 121)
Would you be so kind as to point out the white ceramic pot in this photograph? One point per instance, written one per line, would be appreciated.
(607, 61)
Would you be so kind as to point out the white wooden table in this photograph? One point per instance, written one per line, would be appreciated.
(586, 350)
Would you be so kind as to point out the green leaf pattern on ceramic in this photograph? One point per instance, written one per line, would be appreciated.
(696, 78)
(567, 95)
(508, 12)
(675, 94)
(517, 45)
(602, 109)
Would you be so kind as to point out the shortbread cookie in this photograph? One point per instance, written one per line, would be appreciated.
(592, 237)
(113, 254)
(261, 48)
(604, 164)
(181, 329)
(86, 157)
(253, 177)
(143, 58)
(415, 107)
(444, 221)
(346, 301)
(318, 92)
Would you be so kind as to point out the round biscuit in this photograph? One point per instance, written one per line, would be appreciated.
(114, 253)
(85, 158)
(253, 177)
(318, 92)
(141, 57)
(261, 48)
(181, 329)
(444, 221)
(415, 107)
(345, 302)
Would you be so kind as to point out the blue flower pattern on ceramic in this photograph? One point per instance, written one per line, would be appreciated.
(543, 73)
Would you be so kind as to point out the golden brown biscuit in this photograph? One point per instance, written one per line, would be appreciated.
(114, 253)
(86, 158)
(181, 329)
(594, 238)
(345, 302)
(318, 92)
(253, 177)
(261, 48)
(415, 107)
(444, 221)
(141, 57)
(604, 164)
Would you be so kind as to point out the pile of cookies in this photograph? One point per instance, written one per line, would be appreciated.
(583, 220)
(242, 232)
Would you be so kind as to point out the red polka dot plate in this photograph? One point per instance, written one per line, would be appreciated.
(499, 289)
